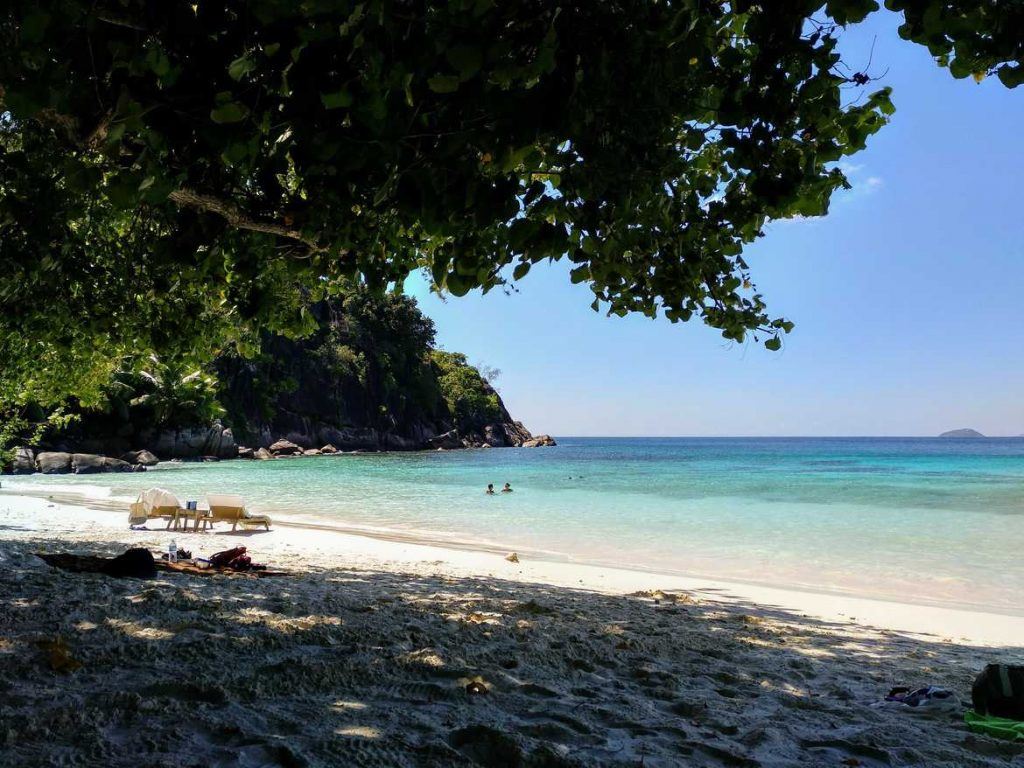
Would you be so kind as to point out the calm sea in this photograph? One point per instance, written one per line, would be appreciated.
(927, 520)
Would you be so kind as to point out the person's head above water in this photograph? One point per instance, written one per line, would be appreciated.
(490, 488)
(507, 488)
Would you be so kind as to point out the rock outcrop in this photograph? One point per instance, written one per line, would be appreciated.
(285, 448)
(143, 457)
(213, 440)
(53, 462)
(539, 441)
(24, 462)
(60, 462)
(91, 463)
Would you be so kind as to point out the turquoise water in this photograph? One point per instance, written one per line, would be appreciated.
(924, 520)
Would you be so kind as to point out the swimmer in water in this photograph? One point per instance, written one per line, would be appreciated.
(507, 488)
(490, 489)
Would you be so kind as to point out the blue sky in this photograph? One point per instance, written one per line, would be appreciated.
(906, 297)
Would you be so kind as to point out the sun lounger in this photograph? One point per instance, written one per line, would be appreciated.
(230, 508)
(153, 504)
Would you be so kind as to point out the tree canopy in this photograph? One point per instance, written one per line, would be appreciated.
(178, 176)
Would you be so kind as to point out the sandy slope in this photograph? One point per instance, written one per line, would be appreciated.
(363, 655)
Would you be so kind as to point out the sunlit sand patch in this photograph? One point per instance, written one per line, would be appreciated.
(344, 580)
(660, 596)
(359, 731)
(477, 617)
(792, 690)
(760, 641)
(139, 631)
(166, 593)
(286, 624)
(342, 705)
(426, 657)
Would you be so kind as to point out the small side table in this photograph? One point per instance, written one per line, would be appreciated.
(200, 516)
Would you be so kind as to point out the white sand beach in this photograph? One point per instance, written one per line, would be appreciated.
(362, 653)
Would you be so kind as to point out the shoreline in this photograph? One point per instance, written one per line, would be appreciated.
(367, 652)
(284, 519)
(302, 543)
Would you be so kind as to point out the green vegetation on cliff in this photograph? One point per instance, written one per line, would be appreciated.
(470, 399)
(368, 376)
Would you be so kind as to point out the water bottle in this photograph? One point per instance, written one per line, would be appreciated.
(172, 552)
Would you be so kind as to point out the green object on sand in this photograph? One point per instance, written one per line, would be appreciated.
(1000, 727)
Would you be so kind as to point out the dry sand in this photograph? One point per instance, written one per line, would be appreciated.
(376, 652)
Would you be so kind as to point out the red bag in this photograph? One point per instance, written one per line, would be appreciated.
(223, 559)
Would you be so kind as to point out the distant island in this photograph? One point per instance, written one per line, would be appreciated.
(962, 433)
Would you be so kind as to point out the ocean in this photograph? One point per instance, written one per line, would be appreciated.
(937, 521)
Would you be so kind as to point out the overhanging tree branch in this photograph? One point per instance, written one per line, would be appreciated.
(208, 204)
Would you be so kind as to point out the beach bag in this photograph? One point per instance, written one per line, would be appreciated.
(999, 691)
(223, 559)
(241, 563)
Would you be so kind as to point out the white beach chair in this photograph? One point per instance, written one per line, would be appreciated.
(226, 507)
(152, 504)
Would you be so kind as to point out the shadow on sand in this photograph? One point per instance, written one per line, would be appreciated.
(356, 668)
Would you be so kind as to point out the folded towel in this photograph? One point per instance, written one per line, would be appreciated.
(1000, 727)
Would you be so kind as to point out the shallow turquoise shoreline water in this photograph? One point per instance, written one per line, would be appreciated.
(920, 520)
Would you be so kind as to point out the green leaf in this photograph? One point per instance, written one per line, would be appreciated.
(883, 100)
(407, 88)
(158, 62)
(457, 285)
(466, 59)
(240, 67)
(443, 83)
(438, 270)
(774, 344)
(232, 112)
(336, 100)
(580, 274)
(520, 271)
(850, 11)
(1011, 76)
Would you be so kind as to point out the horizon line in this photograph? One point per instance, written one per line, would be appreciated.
(786, 437)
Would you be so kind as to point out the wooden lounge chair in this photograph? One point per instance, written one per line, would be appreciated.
(138, 511)
(230, 508)
(152, 504)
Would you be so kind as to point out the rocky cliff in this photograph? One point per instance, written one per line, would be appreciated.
(369, 378)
